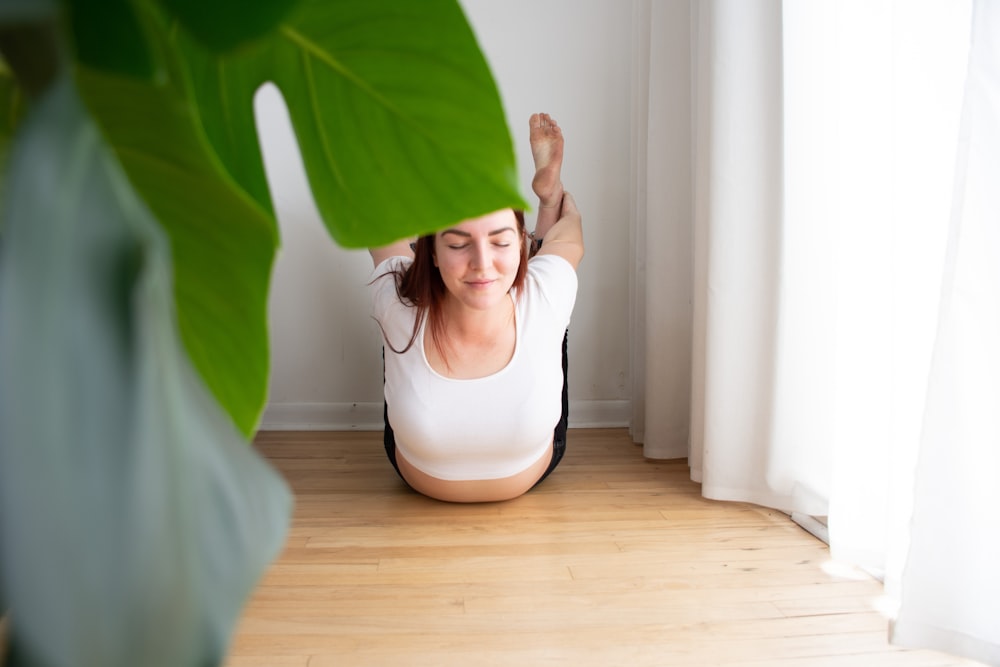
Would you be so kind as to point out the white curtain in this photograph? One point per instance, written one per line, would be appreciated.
(951, 585)
(844, 281)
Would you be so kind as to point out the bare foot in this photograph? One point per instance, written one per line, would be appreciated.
(547, 151)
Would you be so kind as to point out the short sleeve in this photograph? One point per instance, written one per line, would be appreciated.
(394, 318)
(556, 282)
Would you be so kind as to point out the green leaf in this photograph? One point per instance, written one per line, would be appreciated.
(107, 36)
(221, 98)
(223, 25)
(397, 116)
(222, 241)
(134, 520)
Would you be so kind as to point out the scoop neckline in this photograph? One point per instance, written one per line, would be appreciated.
(499, 372)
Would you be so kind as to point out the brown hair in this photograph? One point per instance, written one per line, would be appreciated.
(420, 286)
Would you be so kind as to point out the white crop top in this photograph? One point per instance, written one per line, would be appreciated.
(485, 428)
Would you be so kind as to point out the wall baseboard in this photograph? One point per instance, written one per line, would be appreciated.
(368, 416)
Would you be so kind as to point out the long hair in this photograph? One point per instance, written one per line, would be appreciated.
(420, 286)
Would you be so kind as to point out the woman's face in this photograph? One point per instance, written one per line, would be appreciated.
(478, 258)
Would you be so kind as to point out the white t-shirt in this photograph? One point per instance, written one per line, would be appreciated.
(485, 428)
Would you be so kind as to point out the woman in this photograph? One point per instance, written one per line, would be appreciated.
(474, 377)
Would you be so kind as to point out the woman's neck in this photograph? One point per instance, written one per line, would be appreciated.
(474, 343)
(466, 324)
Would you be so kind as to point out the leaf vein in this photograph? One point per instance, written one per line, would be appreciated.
(324, 139)
(313, 49)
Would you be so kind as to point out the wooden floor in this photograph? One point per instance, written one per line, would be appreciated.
(614, 560)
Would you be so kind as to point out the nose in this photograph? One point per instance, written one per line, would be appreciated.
(480, 255)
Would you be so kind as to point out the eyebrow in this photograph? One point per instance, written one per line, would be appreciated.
(459, 232)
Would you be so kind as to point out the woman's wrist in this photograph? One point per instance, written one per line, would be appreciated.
(534, 244)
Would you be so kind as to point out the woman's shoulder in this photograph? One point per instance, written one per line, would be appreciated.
(548, 268)
(551, 281)
(384, 279)
(391, 265)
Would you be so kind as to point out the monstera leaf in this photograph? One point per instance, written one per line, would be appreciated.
(134, 519)
(398, 121)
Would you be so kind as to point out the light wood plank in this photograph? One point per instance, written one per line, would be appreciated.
(614, 560)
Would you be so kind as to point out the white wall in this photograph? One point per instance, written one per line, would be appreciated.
(571, 58)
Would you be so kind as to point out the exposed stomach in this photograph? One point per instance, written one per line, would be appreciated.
(474, 490)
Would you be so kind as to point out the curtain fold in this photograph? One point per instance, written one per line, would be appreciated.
(950, 588)
(661, 231)
(738, 167)
(821, 183)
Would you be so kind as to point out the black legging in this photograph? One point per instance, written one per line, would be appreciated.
(558, 438)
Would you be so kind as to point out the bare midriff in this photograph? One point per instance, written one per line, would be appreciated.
(474, 490)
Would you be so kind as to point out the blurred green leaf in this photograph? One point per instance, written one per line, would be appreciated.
(134, 520)
(222, 241)
(222, 25)
(107, 36)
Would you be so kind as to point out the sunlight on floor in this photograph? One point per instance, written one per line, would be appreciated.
(841, 570)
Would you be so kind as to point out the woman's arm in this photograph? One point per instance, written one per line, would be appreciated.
(565, 238)
(400, 248)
